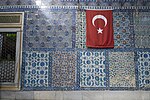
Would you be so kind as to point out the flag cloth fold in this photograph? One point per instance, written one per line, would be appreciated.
(99, 29)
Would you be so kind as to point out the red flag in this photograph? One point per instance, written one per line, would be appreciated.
(99, 29)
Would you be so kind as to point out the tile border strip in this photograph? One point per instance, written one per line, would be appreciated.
(74, 7)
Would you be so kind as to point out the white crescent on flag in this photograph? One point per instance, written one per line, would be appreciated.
(99, 17)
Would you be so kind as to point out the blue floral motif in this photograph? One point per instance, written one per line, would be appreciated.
(92, 69)
(142, 29)
(144, 69)
(123, 35)
(36, 69)
(117, 3)
(50, 32)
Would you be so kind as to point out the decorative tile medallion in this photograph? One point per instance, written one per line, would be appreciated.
(36, 69)
(92, 69)
(63, 69)
(121, 69)
(144, 69)
(142, 29)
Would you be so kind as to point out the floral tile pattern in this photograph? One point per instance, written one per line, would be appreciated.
(36, 69)
(81, 30)
(142, 29)
(63, 69)
(92, 69)
(122, 69)
(123, 34)
(43, 31)
(144, 69)
(116, 3)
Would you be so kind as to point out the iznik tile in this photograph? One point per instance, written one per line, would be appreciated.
(123, 34)
(81, 30)
(92, 69)
(13, 2)
(36, 69)
(144, 69)
(142, 41)
(142, 29)
(121, 69)
(63, 69)
(50, 28)
(82, 2)
(74, 2)
(116, 3)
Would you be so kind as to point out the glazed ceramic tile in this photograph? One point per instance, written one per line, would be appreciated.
(63, 69)
(142, 29)
(43, 31)
(36, 69)
(144, 69)
(123, 32)
(92, 69)
(122, 69)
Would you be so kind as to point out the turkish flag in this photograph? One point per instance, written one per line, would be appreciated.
(99, 29)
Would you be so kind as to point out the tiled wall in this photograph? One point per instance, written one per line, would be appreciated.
(55, 56)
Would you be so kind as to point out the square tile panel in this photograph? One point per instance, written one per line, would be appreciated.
(144, 69)
(121, 69)
(50, 28)
(142, 29)
(63, 69)
(36, 69)
(123, 32)
(92, 69)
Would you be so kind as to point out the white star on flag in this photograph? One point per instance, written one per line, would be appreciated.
(99, 30)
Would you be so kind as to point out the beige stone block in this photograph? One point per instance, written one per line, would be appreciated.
(92, 95)
(7, 95)
(122, 95)
(24, 95)
(44, 95)
(145, 95)
(72, 95)
(59, 95)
